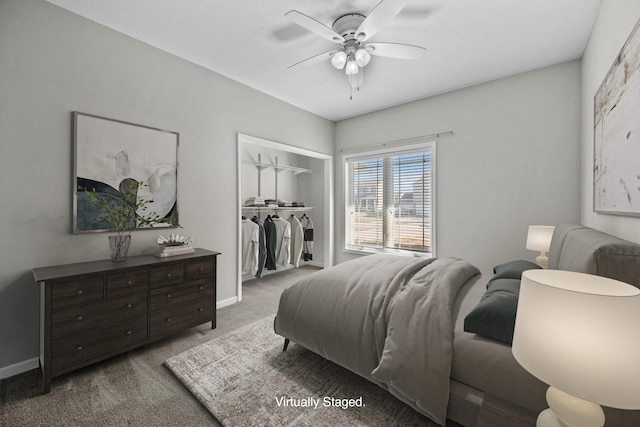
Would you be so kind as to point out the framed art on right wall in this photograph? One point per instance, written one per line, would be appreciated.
(616, 134)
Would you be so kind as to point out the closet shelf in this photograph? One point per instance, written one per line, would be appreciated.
(283, 208)
(279, 168)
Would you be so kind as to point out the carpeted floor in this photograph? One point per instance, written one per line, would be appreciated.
(136, 389)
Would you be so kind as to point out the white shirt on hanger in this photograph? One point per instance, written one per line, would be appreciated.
(250, 241)
(283, 236)
(296, 240)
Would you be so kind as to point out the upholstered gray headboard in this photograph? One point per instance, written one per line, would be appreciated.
(575, 247)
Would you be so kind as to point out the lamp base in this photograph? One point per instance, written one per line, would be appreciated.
(542, 260)
(566, 410)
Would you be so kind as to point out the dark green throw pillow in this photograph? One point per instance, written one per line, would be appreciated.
(517, 266)
(495, 315)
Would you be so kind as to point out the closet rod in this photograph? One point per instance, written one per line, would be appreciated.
(397, 141)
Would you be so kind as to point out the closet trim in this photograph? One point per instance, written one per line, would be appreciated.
(326, 211)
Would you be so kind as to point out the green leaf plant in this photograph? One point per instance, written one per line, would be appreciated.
(123, 215)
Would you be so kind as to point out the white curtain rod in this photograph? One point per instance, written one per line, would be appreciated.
(398, 141)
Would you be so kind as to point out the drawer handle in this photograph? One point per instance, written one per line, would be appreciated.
(128, 332)
(201, 288)
(200, 309)
(129, 282)
(169, 275)
(79, 348)
(79, 292)
(168, 319)
(79, 317)
(128, 305)
(168, 295)
(201, 269)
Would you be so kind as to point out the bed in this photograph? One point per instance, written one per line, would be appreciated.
(436, 333)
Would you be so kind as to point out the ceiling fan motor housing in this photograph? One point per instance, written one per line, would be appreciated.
(347, 25)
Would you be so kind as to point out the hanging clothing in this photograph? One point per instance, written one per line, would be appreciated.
(262, 246)
(307, 246)
(296, 240)
(272, 243)
(283, 236)
(250, 241)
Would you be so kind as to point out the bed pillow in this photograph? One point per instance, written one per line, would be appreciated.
(517, 266)
(495, 315)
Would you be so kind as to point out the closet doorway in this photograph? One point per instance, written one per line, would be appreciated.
(269, 170)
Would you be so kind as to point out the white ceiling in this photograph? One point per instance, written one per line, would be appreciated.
(252, 42)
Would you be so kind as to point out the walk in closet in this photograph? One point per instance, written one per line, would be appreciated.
(284, 208)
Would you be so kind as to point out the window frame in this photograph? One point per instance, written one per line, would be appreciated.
(427, 145)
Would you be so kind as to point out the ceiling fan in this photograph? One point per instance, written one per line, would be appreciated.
(351, 32)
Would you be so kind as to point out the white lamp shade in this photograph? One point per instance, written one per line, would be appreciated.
(339, 59)
(362, 57)
(352, 67)
(580, 333)
(539, 237)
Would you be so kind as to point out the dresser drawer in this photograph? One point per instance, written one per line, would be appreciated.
(200, 268)
(77, 291)
(159, 276)
(82, 317)
(180, 294)
(74, 350)
(178, 317)
(126, 283)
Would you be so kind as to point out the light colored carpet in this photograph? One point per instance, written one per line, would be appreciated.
(244, 378)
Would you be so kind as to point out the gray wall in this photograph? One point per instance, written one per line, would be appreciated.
(513, 160)
(53, 62)
(616, 19)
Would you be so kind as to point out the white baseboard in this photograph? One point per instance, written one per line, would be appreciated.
(314, 263)
(226, 302)
(18, 368)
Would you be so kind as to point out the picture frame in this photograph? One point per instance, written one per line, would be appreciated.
(112, 158)
(616, 134)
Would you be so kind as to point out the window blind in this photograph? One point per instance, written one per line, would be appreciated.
(390, 201)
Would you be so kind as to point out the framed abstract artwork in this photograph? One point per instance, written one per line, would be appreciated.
(616, 169)
(112, 160)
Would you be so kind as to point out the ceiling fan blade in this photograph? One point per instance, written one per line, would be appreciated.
(314, 59)
(396, 50)
(314, 26)
(380, 16)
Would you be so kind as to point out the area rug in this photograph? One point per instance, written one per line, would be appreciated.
(245, 379)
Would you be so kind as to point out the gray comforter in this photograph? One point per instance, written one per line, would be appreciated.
(385, 317)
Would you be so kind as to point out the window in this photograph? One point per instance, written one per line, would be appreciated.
(389, 200)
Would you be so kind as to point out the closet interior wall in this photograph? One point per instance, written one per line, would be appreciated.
(260, 177)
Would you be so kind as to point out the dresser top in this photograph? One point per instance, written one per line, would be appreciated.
(42, 274)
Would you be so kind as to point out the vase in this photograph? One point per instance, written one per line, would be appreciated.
(119, 246)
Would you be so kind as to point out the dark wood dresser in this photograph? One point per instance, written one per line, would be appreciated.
(94, 310)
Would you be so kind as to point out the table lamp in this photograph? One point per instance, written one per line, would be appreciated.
(579, 334)
(539, 239)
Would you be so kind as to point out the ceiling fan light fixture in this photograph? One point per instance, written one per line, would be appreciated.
(362, 57)
(339, 59)
(352, 67)
(351, 32)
